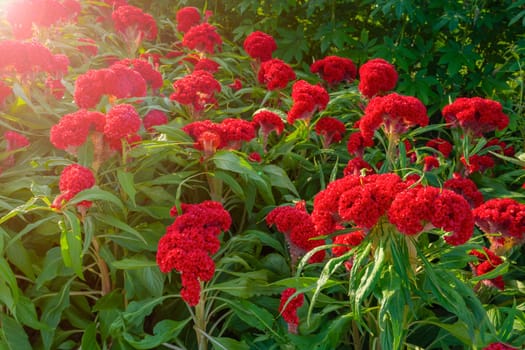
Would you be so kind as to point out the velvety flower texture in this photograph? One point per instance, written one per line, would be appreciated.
(499, 346)
(186, 18)
(267, 122)
(275, 74)
(29, 58)
(132, 22)
(207, 65)
(396, 113)
(430, 162)
(74, 179)
(288, 308)
(189, 244)
(91, 86)
(196, 89)
(150, 75)
(423, 207)
(125, 83)
(202, 37)
(356, 144)
(74, 128)
(331, 129)
(154, 118)
(476, 115)
(298, 229)
(121, 121)
(487, 261)
(376, 77)
(465, 187)
(307, 100)
(15, 140)
(335, 69)
(358, 166)
(441, 145)
(260, 46)
(345, 242)
(477, 163)
(504, 216)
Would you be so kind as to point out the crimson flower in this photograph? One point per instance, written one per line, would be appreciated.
(121, 121)
(376, 77)
(356, 144)
(465, 187)
(356, 166)
(307, 99)
(186, 18)
(196, 89)
(74, 128)
(441, 145)
(88, 46)
(267, 121)
(345, 242)
(260, 46)
(477, 163)
(202, 37)
(150, 75)
(487, 261)
(331, 129)
(275, 74)
(5, 92)
(499, 346)
(288, 308)
(74, 179)
(335, 69)
(28, 58)
(430, 162)
(132, 22)
(154, 118)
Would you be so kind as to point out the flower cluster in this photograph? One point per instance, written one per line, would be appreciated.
(331, 129)
(154, 118)
(476, 115)
(396, 113)
(14, 141)
(134, 23)
(189, 243)
(465, 187)
(356, 144)
(74, 128)
(441, 145)
(196, 89)
(499, 346)
(307, 100)
(228, 134)
(299, 231)
(202, 37)
(187, 17)
(335, 69)
(275, 74)
(74, 179)
(288, 308)
(487, 261)
(122, 123)
(260, 46)
(151, 76)
(376, 77)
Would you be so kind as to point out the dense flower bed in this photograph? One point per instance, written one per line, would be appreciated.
(163, 187)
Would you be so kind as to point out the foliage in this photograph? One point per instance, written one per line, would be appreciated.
(84, 272)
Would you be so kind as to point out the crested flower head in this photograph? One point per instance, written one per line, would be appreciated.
(197, 89)
(74, 179)
(275, 74)
(260, 46)
(203, 37)
(376, 77)
(335, 69)
(288, 308)
(132, 21)
(74, 128)
(331, 129)
(154, 118)
(307, 99)
(187, 17)
(121, 121)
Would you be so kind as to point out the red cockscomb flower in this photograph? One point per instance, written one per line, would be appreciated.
(150, 75)
(154, 118)
(56, 88)
(260, 46)
(487, 261)
(267, 122)
(376, 77)
(298, 229)
(91, 86)
(335, 69)
(430, 162)
(134, 24)
(74, 128)
(187, 17)
(236, 85)
(465, 187)
(121, 121)
(202, 37)
(189, 243)
(74, 179)
(331, 129)
(357, 143)
(126, 83)
(347, 241)
(5, 92)
(307, 99)
(196, 89)
(441, 145)
(207, 65)
(499, 346)
(275, 74)
(477, 163)
(27, 58)
(504, 216)
(476, 115)
(288, 308)
(13, 141)
(358, 166)
(235, 131)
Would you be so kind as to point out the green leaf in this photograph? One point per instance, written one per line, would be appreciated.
(231, 182)
(223, 343)
(96, 194)
(126, 182)
(71, 243)
(7, 277)
(52, 312)
(163, 332)
(133, 263)
(89, 338)
(114, 222)
(25, 313)
(14, 334)
(279, 178)
(253, 315)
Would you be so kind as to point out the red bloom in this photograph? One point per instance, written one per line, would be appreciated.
(189, 243)
(196, 89)
(331, 129)
(202, 37)
(275, 74)
(121, 121)
(487, 261)
(356, 166)
(126, 83)
(91, 86)
(207, 65)
(236, 85)
(154, 118)
(377, 76)
(396, 113)
(298, 229)
(5, 92)
(307, 99)
(56, 87)
(498, 346)
(74, 179)
(288, 308)
(347, 241)
(230, 133)
(150, 75)
(503, 216)
(15, 140)
(430, 162)
(26, 58)
(133, 23)
(441, 145)
(268, 121)
(255, 157)
(477, 163)
(73, 129)
(503, 148)
(356, 144)
(187, 17)
(465, 187)
(335, 69)
(260, 46)
(234, 131)
(476, 115)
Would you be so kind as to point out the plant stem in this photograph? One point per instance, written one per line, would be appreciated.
(200, 323)
(103, 267)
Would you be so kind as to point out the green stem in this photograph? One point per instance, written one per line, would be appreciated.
(200, 323)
